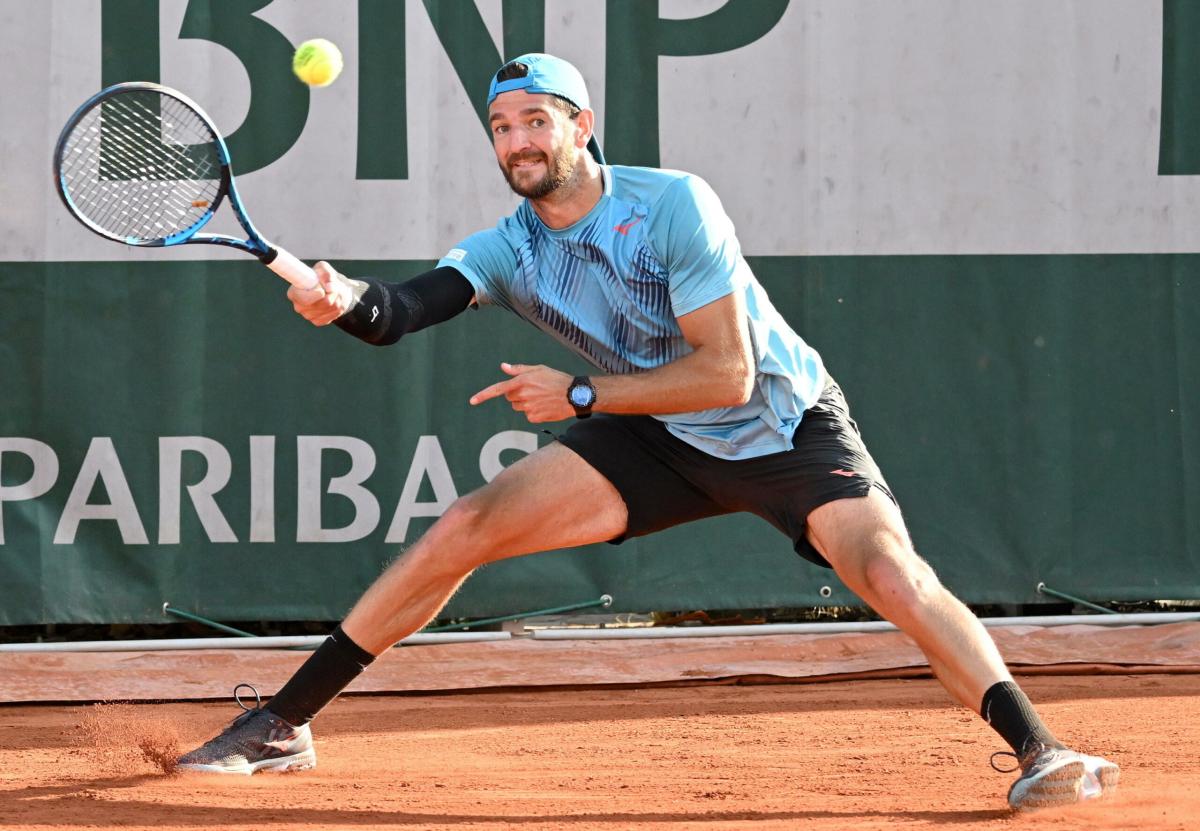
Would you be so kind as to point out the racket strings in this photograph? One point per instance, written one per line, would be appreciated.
(119, 211)
(140, 205)
(138, 146)
(136, 164)
(142, 165)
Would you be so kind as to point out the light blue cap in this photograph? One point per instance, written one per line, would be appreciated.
(549, 75)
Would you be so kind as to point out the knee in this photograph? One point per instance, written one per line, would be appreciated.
(473, 531)
(465, 537)
(900, 579)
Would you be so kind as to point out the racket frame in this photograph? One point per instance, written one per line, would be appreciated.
(280, 261)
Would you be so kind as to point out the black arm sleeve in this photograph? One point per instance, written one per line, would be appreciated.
(388, 311)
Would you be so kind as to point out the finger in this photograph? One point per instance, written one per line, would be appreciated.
(324, 319)
(515, 369)
(488, 393)
(316, 318)
(305, 297)
(327, 275)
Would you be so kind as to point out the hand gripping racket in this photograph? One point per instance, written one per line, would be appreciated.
(141, 164)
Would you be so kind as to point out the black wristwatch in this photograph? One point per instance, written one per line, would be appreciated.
(581, 395)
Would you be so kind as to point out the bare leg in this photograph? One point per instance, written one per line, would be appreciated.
(550, 499)
(868, 546)
(866, 543)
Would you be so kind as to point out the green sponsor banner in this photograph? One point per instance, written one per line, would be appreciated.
(172, 432)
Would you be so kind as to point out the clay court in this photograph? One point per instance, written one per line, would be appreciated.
(746, 744)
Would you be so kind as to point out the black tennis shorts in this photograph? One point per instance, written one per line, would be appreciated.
(665, 481)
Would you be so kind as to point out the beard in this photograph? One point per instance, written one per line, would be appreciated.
(560, 171)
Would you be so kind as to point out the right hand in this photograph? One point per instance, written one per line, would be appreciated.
(321, 309)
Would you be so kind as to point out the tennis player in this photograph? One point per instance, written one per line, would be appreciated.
(703, 402)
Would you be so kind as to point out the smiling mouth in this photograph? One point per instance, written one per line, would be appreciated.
(520, 164)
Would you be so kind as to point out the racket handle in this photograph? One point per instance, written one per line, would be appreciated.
(292, 270)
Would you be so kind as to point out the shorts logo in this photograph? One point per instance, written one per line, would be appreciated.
(847, 473)
(456, 254)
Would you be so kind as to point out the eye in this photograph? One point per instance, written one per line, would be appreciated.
(500, 129)
(537, 122)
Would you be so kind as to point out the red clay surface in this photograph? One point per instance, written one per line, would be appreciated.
(861, 754)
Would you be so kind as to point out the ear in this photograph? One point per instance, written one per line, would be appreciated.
(585, 122)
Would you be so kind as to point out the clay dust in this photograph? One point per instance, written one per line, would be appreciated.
(126, 738)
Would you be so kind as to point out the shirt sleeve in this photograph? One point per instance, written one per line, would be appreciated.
(488, 262)
(697, 243)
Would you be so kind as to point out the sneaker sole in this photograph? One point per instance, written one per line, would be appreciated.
(1109, 776)
(1059, 785)
(1103, 773)
(301, 761)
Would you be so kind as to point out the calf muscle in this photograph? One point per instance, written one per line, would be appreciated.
(550, 499)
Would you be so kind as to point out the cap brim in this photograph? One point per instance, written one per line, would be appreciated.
(593, 147)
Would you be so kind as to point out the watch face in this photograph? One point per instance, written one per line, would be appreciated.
(581, 396)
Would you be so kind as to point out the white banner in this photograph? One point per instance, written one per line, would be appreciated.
(852, 127)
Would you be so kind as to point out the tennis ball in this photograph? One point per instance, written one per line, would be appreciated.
(317, 62)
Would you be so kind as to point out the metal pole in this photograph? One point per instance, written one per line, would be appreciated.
(1042, 588)
(1141, 619)
(169, 610)
(280, 642)
(603, 600)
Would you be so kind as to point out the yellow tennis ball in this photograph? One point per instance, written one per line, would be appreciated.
(317, 62)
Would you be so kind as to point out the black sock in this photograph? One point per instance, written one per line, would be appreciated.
(336, 663)
(1008, 710)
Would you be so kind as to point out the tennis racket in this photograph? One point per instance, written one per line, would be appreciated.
(141, 164)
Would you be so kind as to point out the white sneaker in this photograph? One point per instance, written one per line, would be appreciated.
(257, 740)
(1053, 776)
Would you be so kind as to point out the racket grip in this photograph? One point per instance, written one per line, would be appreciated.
(292, 270)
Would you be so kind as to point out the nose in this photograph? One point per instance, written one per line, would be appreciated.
(518, 139)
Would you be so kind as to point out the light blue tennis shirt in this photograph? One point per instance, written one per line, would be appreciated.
(612, 287)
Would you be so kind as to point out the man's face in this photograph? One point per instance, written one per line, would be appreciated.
(534, 141)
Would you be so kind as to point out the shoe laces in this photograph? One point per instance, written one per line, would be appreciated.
(1005, 754)
(1022, 760)
(237, 696)
(249, 713)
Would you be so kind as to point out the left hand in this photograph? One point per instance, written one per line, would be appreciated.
(538, 391)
